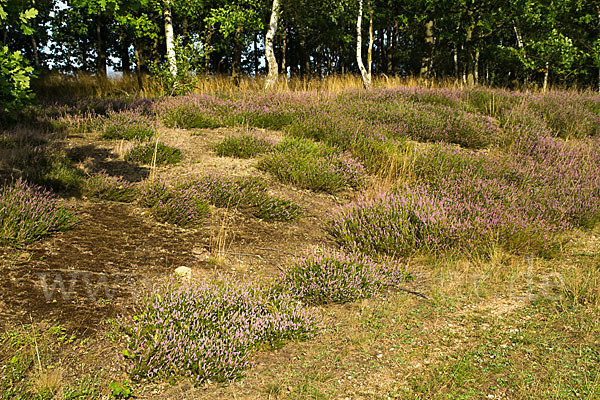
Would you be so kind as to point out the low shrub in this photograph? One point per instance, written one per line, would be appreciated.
(313, 166)
(243, 146)
(102, 186)
(153, 152)
(331, 276)
(275, 209)
(187, 112)
(175, 203)
(129, 124)
(28, 212)
(209, 330)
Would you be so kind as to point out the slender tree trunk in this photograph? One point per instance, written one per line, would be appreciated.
(101, 61)
(284, 51)
(169, 39)
(365, 75)
(273, 73)
(236, 65)
(476, 66)
(36, 58)
(469, 56)
(138, 64)
(124, 53)
(255, 54)
(207, 50)
(427, 58)
(455, 59)
(371, 41)
(546, 73)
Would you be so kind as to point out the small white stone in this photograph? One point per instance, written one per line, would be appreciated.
(185, 273)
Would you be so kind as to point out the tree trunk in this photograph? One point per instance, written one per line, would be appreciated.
(476, 66)
(365, 75)
(455, 59)
(236, 65)
(371, 41)
(36, 57)
(469, 56)
(124, 53)
(284, 51)
(427, 58)
(207, 50)
(273, 73)
(138, 64)
(101, 61)
(546, 72)
(169, 39)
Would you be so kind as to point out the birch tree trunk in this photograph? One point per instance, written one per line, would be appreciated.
(371, 41)
(427, 58)
(273, 73)
(170, 41)
(546, 72)
(365, 75)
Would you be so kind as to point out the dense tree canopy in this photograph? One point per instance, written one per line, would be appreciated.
(497, 42)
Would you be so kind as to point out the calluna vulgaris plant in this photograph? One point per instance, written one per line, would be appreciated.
(313, 166)
(153, 152)
(209, 330)
(28, 212)
(130, 124)
(102, 186)
(331, 276)
(243, 146)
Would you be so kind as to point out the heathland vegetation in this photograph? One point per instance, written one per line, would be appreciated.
(181, 227)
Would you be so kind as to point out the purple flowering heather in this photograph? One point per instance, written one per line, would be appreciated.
(331, 276)
(105, 187)
(129, 124)
(28, 212)
(209, 330)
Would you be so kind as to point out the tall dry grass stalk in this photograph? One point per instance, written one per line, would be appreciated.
(220, 243)
(88, 85)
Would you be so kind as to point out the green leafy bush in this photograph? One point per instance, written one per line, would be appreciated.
(15, 75)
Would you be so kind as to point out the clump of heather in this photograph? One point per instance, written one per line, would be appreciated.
(275, 209)
(331, 276)
(102, 186)
(393, 224)
(153, 152)
(569, 114)
(175, 203)
(28, 212)
(313, 166)
(243, 146)
(187, 199)
(129, 124)
(209, 330)
(189, 112)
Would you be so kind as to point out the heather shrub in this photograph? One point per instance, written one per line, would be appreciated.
(209, 330)
(243, 146)
(153, 152)
(129, 124)
(275, 209)
(102, 186)
(182, 205)
(28, 212)
(313, 166)
(568, 114)
(331, 276)
(44, 166)
(196, 192)
(188, 112)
